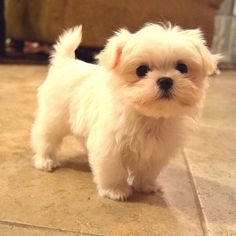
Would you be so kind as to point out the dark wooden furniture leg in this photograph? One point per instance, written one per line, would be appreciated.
(2, 29)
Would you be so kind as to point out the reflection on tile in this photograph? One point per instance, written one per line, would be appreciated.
(213, 168)
(220, 103)
(211, 154)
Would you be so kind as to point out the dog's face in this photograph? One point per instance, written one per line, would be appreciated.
(159, 71)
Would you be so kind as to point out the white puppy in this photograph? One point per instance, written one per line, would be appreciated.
(131, 111)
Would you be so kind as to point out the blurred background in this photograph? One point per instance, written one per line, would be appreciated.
(28, 28)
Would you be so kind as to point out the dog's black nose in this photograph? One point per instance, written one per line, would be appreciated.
(165, 83)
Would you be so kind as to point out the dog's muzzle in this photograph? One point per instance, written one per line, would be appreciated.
(165, 84)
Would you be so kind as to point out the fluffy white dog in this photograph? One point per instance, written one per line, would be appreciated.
(131, 110)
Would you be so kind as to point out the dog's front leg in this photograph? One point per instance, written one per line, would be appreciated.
(145, 179)
(110, 176)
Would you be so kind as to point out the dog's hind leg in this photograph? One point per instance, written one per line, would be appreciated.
(47, 135)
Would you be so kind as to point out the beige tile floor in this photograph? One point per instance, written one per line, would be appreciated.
(199, 187)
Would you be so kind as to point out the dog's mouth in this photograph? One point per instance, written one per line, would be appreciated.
(166, 95)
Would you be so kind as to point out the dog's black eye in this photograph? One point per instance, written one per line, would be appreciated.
(182, 68)
(142, 70)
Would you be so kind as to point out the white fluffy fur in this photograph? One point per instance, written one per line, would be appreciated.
(130, 132)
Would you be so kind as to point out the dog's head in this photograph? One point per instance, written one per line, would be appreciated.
(159, 70)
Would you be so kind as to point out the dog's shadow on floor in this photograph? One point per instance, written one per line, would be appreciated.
(172, 196)
(156, 199)
(77, 162)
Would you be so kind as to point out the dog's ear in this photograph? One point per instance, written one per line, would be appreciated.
(209, 60)
(110, 56)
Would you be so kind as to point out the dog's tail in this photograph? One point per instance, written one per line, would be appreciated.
(67, 44)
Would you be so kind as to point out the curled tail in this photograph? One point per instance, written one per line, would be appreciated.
(66, 44)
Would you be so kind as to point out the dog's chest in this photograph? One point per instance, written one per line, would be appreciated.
(143, 137)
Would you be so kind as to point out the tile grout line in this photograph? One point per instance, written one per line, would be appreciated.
(202, 216)
(39, 227)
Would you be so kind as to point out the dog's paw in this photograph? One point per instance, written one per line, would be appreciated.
(45, 164)
(148, 187)
(121, 193)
